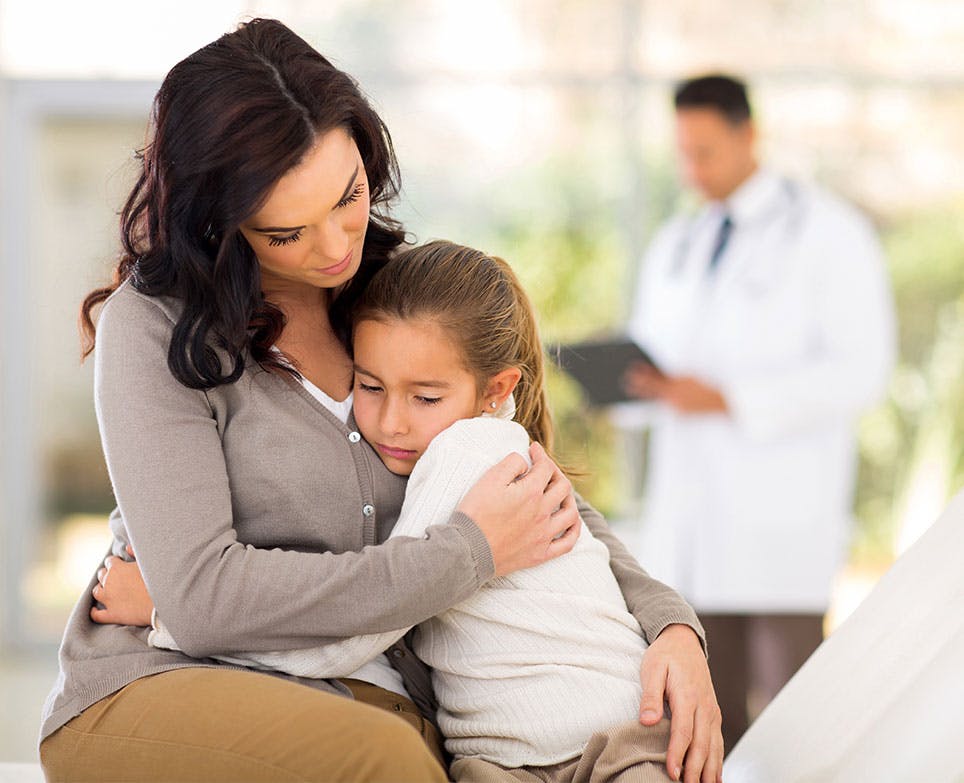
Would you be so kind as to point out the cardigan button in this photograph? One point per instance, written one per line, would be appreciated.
(368, 509)
(354, 437)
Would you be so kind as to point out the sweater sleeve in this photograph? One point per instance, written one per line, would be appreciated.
(653, 604)
(454, 461)
(216, 594)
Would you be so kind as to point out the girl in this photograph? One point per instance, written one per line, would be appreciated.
(538, 663)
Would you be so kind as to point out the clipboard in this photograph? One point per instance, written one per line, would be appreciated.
(599, 366)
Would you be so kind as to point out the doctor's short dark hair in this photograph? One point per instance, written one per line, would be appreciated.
(725, 94)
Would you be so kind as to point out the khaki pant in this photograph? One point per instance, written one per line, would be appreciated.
(229, 726)
(627, 753)
(752, 656)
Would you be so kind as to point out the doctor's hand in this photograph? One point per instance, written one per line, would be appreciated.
(674, 670)
(682, 392)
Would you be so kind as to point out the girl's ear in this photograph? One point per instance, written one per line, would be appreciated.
(499, 387)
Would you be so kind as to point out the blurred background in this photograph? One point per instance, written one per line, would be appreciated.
(539, 130)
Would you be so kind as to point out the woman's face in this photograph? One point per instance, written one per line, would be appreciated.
(311, 229)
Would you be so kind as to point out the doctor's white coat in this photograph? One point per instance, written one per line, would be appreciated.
(750, 512)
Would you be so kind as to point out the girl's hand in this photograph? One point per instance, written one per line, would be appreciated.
(674, 668)
(528, 515)
(120, 589)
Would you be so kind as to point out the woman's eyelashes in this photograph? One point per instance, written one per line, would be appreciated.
(353, 196)
(281, 241)
(285, 240)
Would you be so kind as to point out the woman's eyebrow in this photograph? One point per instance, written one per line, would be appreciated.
(289, 229)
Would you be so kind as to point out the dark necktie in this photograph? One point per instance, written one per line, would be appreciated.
(722, 238)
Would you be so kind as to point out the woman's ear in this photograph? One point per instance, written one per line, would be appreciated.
(499, 387)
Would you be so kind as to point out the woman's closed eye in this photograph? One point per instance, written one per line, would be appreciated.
(280, 241)
(368, 387)
(427, 400)
(353, 196)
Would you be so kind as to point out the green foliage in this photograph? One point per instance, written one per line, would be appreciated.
(912, 446)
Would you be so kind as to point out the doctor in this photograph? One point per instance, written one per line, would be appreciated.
(770, 313)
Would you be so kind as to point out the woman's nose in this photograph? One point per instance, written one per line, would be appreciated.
(333, 243)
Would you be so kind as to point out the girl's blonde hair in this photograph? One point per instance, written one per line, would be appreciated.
(478, 301)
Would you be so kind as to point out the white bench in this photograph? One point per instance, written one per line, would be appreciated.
(880, 699)
(20, 773)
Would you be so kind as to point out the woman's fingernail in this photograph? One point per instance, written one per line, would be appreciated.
(679, 771)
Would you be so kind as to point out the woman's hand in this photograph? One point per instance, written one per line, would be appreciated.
(528, 515)
(120, 589)
(674, 669)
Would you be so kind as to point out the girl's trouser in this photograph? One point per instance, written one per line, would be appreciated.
(229, 726)
(626, 753)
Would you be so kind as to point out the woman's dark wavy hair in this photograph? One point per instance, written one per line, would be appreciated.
(227, 123)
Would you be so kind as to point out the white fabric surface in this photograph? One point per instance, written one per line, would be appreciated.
(882, 699)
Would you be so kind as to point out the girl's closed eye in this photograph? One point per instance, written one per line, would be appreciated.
(368, 387)
(428, 400)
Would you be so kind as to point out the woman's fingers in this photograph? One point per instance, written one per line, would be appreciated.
(527, 513)
(674, 667)
(653, 680)
(713, 766)
(680, 738)
(510, 469)
(565, 522)
(698, 752)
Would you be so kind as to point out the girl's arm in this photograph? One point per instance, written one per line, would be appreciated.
(217, 595)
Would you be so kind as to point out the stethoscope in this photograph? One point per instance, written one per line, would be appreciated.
(789, 204)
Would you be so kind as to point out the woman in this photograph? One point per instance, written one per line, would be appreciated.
(222, 394)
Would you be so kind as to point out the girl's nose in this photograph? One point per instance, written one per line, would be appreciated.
(394, 420)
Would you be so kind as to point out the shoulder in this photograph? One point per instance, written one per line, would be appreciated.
(133, 339)
(667, 243)
(483, 433)
(127, 307)
(831, 215)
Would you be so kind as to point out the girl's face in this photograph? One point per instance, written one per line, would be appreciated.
(410, 384)
(311, 229)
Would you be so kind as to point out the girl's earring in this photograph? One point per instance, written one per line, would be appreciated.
(492, 404)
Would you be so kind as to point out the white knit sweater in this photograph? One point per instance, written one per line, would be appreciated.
(533, 663)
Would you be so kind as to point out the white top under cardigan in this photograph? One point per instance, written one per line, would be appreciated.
(533, 663)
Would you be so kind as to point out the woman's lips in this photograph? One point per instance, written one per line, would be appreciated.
(396, 453)
(341, 266)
